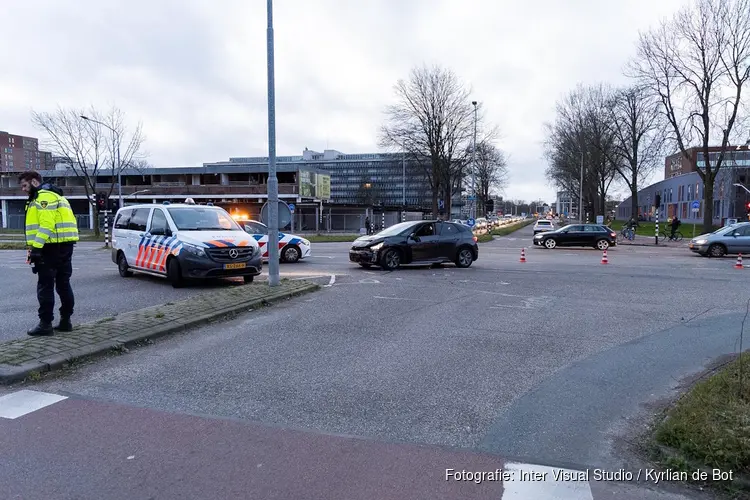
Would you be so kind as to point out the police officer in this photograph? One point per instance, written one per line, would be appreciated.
(51, 233)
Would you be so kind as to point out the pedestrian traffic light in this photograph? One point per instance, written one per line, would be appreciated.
(657, 200)
(490, 206)
(101, 201)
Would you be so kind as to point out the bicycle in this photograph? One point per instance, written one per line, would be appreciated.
(667, 235)
(627, 233)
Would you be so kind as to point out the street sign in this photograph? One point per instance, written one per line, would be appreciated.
(470, 222)
(696, 206)
(471, 198)
(285, 214)
(291, 207)
(600, 219)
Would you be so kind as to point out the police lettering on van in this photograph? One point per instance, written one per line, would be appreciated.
(183, 242)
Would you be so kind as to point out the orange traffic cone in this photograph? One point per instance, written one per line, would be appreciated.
(738, 265)
(604, 257)
(523, 255)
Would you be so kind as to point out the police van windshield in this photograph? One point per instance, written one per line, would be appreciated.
(202, 219)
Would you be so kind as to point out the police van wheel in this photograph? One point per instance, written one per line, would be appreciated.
(122, 266)
(290, 254)
(174, 273)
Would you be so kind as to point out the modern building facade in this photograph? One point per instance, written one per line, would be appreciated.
(18, 153)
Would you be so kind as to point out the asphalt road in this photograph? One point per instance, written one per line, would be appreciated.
(542, 360)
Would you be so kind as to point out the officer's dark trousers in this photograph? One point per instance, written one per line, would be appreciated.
(54, 273)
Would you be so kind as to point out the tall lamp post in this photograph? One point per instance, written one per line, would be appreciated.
(115, 137)
(580, 192)
(474, 166)
(273, 182)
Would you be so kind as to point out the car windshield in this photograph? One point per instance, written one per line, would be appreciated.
(397, 229)
(203, 219)
(726, 230)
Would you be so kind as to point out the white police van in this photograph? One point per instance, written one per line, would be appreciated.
(183, 241)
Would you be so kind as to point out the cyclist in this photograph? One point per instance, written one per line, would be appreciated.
(675, 225)
(630, 227)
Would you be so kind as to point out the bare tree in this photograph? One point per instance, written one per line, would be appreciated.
(576, 147)
(491, 172)
(432, 120)
(639, 134)
(697, 64)
(93, 144)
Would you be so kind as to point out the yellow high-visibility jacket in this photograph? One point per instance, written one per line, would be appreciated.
(49, 219)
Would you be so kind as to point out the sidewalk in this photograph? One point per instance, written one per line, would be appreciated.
(29, 357)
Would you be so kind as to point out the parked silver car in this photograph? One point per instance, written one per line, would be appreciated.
(728, 240)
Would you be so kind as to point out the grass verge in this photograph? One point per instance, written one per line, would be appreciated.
(709, 427)
(512, 228)
(484, 238)
(331, 238)
(649, 228)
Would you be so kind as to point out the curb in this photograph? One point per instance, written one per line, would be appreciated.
(11, 373)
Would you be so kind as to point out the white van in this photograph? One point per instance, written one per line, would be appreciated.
(183, 241)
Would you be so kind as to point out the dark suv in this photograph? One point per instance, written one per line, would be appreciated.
(417, 242)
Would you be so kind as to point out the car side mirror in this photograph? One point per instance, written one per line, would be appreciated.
(736, 234)
(157, 232)
(414, 237)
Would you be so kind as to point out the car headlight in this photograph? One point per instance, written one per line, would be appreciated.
(194, 249)
(305, 242)
(377, 247)
(701, 242)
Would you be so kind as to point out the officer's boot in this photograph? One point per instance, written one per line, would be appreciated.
(65, 325)
(42, 329)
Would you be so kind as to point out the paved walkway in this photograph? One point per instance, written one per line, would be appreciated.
(26, 357)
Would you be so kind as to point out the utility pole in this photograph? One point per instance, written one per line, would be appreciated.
(403, 177)
(116, 151)
(273, 182)
(474, 166)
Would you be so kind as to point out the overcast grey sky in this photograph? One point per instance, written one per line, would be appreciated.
(194, 71)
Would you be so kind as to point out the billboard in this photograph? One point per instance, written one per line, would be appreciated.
(323, 186)
(306, 184)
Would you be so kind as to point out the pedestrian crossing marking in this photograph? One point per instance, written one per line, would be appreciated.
(20, 403)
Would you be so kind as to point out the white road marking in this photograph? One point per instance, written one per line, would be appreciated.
(368, 280)
(537, 481)
(400, 298)
(321, 257)
(333, 280)
(20, 403)
(308, 277)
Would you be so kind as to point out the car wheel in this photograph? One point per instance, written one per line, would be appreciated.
(464, 258)
(391, 260)
(290, 254)
(122, 266)
(248, 279)
(550, 243)
(602, 244)
(174, 273)
(716, 250)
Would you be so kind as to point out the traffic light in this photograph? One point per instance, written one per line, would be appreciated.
(101, 201)
(490, 206)
(657, 200)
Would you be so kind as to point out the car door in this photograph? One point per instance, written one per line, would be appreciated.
(590, 235)
(448, 237)
(138, 243)
(739, 243)
(259, 233)
(120, 233)
(424, 243)
(158, 229)
(571, 236)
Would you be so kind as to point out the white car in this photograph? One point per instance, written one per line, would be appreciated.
(291, 247)
(182, 242)
(543, 225)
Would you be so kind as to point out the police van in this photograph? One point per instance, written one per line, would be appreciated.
(183, 242)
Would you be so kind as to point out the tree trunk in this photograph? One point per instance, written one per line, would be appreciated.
(435, 196)
(97, 232)
(634, 193)
(708, 201)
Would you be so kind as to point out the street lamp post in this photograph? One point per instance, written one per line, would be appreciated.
(273, 182)
(474, 166)
(580, 193)
(115, 137)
